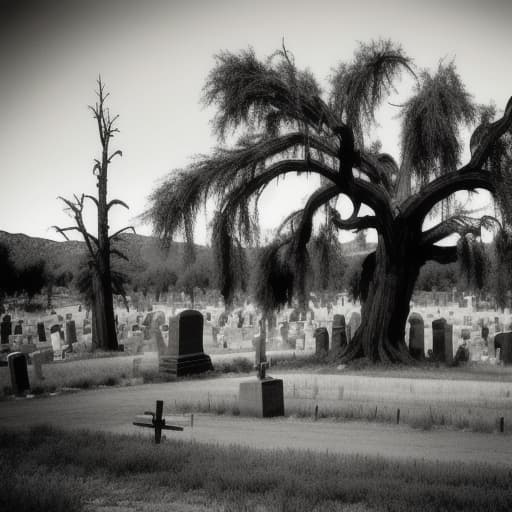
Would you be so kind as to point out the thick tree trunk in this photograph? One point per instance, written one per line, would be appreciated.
(103, 312)
(385, 308)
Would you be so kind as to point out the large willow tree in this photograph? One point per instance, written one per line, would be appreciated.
(287, 125)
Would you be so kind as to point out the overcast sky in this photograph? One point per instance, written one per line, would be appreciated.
(154, 57)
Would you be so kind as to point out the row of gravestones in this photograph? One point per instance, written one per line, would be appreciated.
(341, 333)
(442, 341)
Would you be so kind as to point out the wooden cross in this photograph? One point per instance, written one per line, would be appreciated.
(157, 422)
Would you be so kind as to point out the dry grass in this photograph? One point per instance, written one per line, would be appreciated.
(48, 469)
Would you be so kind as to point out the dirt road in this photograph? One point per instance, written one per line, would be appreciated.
(113, 409)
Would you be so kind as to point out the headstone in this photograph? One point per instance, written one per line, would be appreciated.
(184, 354)
(321, 340)
(69, 316)
(416, 336)
(37, 364)
(17, 363)
(70, 333)
(18, 328)
(55, 337)
(485, 333)
(503, 342)
(339, 334)
(442, 340)
(5, 329)
(208, 316)
(465, 334)
(41, 332)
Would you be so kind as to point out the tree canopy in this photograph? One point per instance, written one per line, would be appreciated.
(286, 124)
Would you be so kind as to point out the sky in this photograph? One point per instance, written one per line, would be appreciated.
(154, 57)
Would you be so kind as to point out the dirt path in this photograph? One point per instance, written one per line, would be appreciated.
(113, 409)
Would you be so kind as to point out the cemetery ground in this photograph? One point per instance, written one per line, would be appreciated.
(360, 437)
(79, 450)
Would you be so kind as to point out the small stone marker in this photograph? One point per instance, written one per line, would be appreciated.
(156, 421)
(17, 363)
(416, 336)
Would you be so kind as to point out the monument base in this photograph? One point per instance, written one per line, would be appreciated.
(185, 365)
(261, 398)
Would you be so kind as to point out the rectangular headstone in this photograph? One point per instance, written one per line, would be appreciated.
(17, 363)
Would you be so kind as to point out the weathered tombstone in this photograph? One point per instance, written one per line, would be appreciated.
(321, 336)
(18, 328)
(6, 329)
(485, 333)
(37, 359)
(503, 342)
(17, 363)
(55, 336)
(339, 334)
(184, 355)
(465, 334)
(416, 336)
(442, 340)
(41, 332)
(69, 316)
(70, 333)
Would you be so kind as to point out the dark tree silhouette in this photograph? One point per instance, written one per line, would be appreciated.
(100, 248)
(288, 127)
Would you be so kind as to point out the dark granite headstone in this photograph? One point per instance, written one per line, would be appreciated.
(6, 329)
(321, 336)
(339, 334)
(416, 336)
(503, 341)
(442, 340)
(18, 328)
(17, 363)
(41, 332)
(184, 354)
(70, 332)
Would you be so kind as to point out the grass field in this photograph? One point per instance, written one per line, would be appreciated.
(472, 398)
(46, 469)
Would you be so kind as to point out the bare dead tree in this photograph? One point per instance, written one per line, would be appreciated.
(99, 248)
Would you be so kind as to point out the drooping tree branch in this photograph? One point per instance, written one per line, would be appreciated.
(458, 224)
(468, 177)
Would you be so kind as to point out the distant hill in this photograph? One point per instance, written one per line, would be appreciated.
(142, 251)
